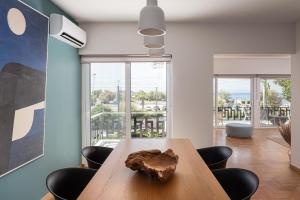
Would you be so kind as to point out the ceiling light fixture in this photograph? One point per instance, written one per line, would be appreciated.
(156, 52)
(152, 20)
(154, 42)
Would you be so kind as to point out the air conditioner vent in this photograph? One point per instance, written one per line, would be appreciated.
(71, 39)
(65, 30)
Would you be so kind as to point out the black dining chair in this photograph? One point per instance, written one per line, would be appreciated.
(68, 183)
(239, 184)
(96, 155)
(215, 157)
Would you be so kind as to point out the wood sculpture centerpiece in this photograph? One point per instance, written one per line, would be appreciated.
(154, 163)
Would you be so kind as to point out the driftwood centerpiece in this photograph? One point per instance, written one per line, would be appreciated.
(154, 163)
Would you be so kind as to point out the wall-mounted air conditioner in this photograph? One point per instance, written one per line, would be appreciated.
(65, 30)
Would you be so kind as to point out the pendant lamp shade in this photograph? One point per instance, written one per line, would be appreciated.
(154, 42)
(156, 52)
(152, 20)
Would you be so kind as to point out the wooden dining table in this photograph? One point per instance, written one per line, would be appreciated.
(191, 180)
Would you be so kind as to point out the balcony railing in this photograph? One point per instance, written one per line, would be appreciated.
(148, 124)
(111, 125)
(235, 113)
(275, 114)
(270, 115)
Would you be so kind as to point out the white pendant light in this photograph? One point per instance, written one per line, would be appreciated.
(157, 42)
(156, 52)
(152, 20)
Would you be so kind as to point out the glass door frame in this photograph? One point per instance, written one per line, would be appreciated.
(86, 88)
(215, 95)
(255, 95)
(257, 80)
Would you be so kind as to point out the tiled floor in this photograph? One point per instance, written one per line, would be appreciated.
(268, 159)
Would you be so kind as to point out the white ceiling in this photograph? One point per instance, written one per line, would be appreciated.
(216, 11)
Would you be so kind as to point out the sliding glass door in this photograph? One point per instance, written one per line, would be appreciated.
(126, 99)
(275, 101)
(107, 102)
(258, 100)
(148, 99)
(233, 100)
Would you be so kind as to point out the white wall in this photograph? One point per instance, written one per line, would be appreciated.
(248, 64)
(296, 103)
(193, 46)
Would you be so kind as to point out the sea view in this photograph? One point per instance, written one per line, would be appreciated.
(241, 96)
(247, 97)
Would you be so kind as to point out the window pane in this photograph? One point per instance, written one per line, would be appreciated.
(148, 99)
(233, 101)
(275, 101)
(107, 103)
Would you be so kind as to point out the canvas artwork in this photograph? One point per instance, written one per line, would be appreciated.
(23, 59)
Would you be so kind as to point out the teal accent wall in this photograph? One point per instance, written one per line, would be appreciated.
(63, 120)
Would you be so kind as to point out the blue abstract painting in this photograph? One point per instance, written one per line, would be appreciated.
(23, 60)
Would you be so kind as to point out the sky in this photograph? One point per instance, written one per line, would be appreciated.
(234, 85)
(146, 76)
(26, 48)
(241, 85)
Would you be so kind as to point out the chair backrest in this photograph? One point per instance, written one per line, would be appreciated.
(215, 157)
(239, 184)
(68, 183)
(96, 155)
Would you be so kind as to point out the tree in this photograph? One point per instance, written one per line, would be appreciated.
(107, 96)
(100, 108)
(266, 89)
(274, 99)
(140, 96)
(155, 95)
(286, 88)
(95, 95)
(224, 98)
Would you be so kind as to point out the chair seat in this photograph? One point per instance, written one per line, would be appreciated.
(215, 157)
(96, 155)
(68, 183)
(239, 184)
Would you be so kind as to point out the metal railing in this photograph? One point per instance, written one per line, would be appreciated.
(235, 113)
(148, 124)
(111, 125)
(275, 114)
(272, 114)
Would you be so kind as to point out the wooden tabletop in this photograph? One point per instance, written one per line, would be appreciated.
(191, 180)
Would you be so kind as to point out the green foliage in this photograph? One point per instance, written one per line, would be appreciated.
(140, 96)
(107, 96)
(104, 96)
(286, 88)
(149, 96)
(100, 108)
(224, 98)
(95, 95)
(155, 95)
(274, 99)
(143, 96)
(264, 96)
